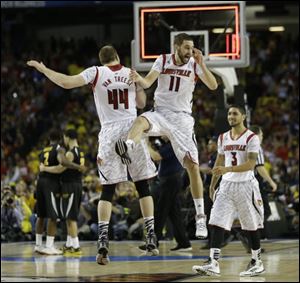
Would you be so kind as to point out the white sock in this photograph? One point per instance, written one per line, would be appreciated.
(214, 253)
(256, 254)
(49, 241)
(199, 205)
(75, 242)
(68, 243)
(130, 144)
(39, 239)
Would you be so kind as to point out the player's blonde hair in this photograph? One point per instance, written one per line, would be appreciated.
(107, 54)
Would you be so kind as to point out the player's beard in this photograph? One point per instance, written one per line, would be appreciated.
(183, 58)
(233, 124)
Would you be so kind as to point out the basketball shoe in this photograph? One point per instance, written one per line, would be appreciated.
(151, 244)
(102, 247)
(38, 249)
(254, 268)
(51, 251)
(71, 251)
(210, 268)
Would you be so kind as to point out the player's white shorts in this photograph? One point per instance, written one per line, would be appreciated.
(178, 127)
(112, 170)
(240, 199)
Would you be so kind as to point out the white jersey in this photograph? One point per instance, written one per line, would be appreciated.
(114, 93)
(236, 152)
(176, 83)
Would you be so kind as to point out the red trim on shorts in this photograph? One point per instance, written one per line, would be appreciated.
(250, 137)
(96, 79)
(238, 136)
(115, 68)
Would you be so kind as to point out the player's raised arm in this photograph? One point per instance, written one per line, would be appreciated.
(206, 77)
(60, 79)
(144, 82)
(140, 97)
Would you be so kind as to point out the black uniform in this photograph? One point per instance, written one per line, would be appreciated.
(263, 191)
(262, 185)
(169, 204)
(48, 185)
(72, 187)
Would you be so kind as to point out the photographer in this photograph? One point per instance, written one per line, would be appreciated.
(11, 217)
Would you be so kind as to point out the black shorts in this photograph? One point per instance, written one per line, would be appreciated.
(48, 193)
(71, 199)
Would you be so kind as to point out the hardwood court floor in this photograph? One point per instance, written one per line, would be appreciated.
(20, 263)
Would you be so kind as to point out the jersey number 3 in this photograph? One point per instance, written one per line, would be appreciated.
(234, 160)
(118, 96)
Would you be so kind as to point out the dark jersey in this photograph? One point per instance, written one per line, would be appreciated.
(48, 157)
(260, 161)
(211, 164)
(73, 175)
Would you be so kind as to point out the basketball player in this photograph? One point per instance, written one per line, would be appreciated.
(177, 75)
(49, 192)
(116, 98)
(262, 175)
(238, 193)
(71, 191)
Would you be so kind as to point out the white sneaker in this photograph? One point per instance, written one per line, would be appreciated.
(254, 268)
(38, 249)
(201, 230)
(51, 251)
(211, 268)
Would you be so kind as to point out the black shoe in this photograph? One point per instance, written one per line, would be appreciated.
(122, 151)
(102, 247)
(179, 248)
(143, 248)
(151, 244)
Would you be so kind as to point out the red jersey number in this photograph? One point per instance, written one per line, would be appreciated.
(118, 96)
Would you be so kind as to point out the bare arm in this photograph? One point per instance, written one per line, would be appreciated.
(205, 170)
(220, 161)
(248, 165)
(60, 79)
(67, 160)
(206, 77)
(140, 97)
(144, 82)
(52, 169)
(154, 154)
(264, 173)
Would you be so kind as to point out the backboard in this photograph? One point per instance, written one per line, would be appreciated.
(217, 27)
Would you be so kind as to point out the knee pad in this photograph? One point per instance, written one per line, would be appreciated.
(108, 192)
(143, 188)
